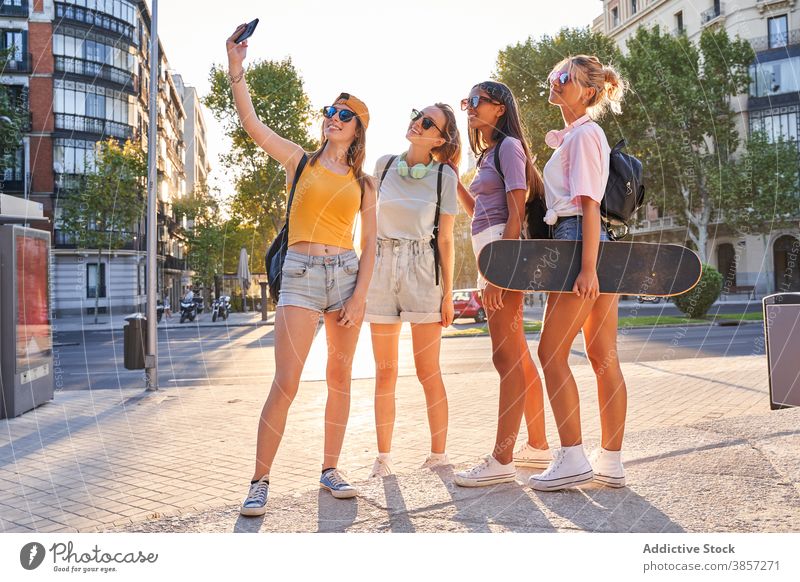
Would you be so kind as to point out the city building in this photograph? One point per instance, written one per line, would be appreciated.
(194, 134)
(82, 68)
(766, 263)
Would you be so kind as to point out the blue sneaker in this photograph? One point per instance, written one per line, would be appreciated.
(334, 482)
(256, 502)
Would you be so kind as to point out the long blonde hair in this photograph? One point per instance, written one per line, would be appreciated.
(609, 87)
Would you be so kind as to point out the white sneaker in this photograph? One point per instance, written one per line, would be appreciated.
(436, 460)
(527, 456)
(608, 469)
(382, 468)
(569, 468)
(489, 472)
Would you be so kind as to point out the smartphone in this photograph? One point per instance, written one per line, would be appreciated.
(248, 31)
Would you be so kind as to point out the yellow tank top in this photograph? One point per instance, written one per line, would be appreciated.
(324, 207)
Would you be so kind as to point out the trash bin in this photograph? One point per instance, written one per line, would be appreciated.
(782, 340)
(135, 341)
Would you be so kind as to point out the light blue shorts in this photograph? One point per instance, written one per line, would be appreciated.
(571, 228)
(318, 283)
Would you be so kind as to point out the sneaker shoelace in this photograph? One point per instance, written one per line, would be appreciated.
(558, 458)
(480, 467)
(336, 479)
(258, 493)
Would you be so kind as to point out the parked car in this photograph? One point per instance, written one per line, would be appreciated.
(648, 299)
(467, 303)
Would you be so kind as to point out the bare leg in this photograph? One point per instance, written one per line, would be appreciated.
(534, 403)
(600, 335)
(427, 339)
(294, 333)
(385, 341)
(508, 352)
(341, 347)
(564, 316)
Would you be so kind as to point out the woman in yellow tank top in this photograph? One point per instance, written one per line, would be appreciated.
(322, 274)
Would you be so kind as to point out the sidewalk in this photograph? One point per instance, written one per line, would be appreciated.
(116, 321)
(180, 459)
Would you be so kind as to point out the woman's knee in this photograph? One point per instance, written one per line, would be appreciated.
(604, 358)
(552, 353)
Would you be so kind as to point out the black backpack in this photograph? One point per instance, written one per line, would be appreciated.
(624, 193)
(535, 207)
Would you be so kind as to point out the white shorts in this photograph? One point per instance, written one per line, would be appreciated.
(482, 239)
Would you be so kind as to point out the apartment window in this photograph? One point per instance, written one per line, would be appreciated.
(782, 124)
(778, 28)
(95, 287)
(14, 40)
(615, 17)
(87, 100)
(15, 171)
(679, 21)
(775, 77)
(634, 6)
(73, 156)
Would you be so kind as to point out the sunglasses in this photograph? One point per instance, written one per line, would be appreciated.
(427, 122)
(475, 100)
(345, 115)
(561, 78)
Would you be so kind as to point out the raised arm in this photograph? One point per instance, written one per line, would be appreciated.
(284, 151)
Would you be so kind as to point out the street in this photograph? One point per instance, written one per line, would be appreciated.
(192, 356)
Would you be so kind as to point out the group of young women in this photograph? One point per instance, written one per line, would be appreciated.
(405, 273)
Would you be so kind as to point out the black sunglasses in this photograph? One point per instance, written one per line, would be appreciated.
(345, 115)
(427, 122)
(475, 100)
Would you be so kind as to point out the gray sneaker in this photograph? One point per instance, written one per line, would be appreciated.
(256, 502)
(334, 482)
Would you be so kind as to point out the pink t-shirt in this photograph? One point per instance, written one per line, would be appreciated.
(578, 167)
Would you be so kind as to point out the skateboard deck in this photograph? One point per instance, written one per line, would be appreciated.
(625, 268)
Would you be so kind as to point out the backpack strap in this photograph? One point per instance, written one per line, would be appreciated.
(435, 239)
(297, 172)
(497, 159)
(383, 174)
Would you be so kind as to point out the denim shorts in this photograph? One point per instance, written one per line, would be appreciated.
(318, 283)
(571, 228)
(403, 286)
(480, 240)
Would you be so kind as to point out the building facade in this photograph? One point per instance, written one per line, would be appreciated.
(194, 134)
(82, 68)
(767, 262)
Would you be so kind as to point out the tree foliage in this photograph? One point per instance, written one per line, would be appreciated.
(281, 103)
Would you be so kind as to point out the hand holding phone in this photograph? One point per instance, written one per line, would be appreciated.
(248, 31)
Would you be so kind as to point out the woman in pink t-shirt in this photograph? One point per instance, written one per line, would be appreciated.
(575, 180)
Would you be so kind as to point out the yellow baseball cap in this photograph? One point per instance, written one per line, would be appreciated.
(357, 105)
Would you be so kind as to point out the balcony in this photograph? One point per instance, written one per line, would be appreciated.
(68, 182)
(12, 65)
(11, 10)
(174, 264)
(96, 20)
(658, 224)
(93, 125)
(764, 5)
(711, 15)
(130, 240)
(765, 43)
(127, 81)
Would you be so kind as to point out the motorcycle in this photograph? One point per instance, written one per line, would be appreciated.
(221, 307)
(188, 310)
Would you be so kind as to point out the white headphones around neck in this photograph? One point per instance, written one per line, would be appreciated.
(417, 171)
(555, 137)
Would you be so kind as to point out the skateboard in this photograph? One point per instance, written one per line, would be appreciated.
(625, 268)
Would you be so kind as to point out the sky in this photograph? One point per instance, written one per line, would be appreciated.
(395, 56)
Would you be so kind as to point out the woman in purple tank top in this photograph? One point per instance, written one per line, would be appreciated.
(496, 200)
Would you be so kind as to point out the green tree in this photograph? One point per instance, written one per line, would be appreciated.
(524, 67)
(103, 212)
(11, 120)
(206, 235)
(281, 103)
(680, 122)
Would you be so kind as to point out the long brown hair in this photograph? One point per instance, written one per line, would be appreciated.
(450, 151)
(355, 154)
(509, 125)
